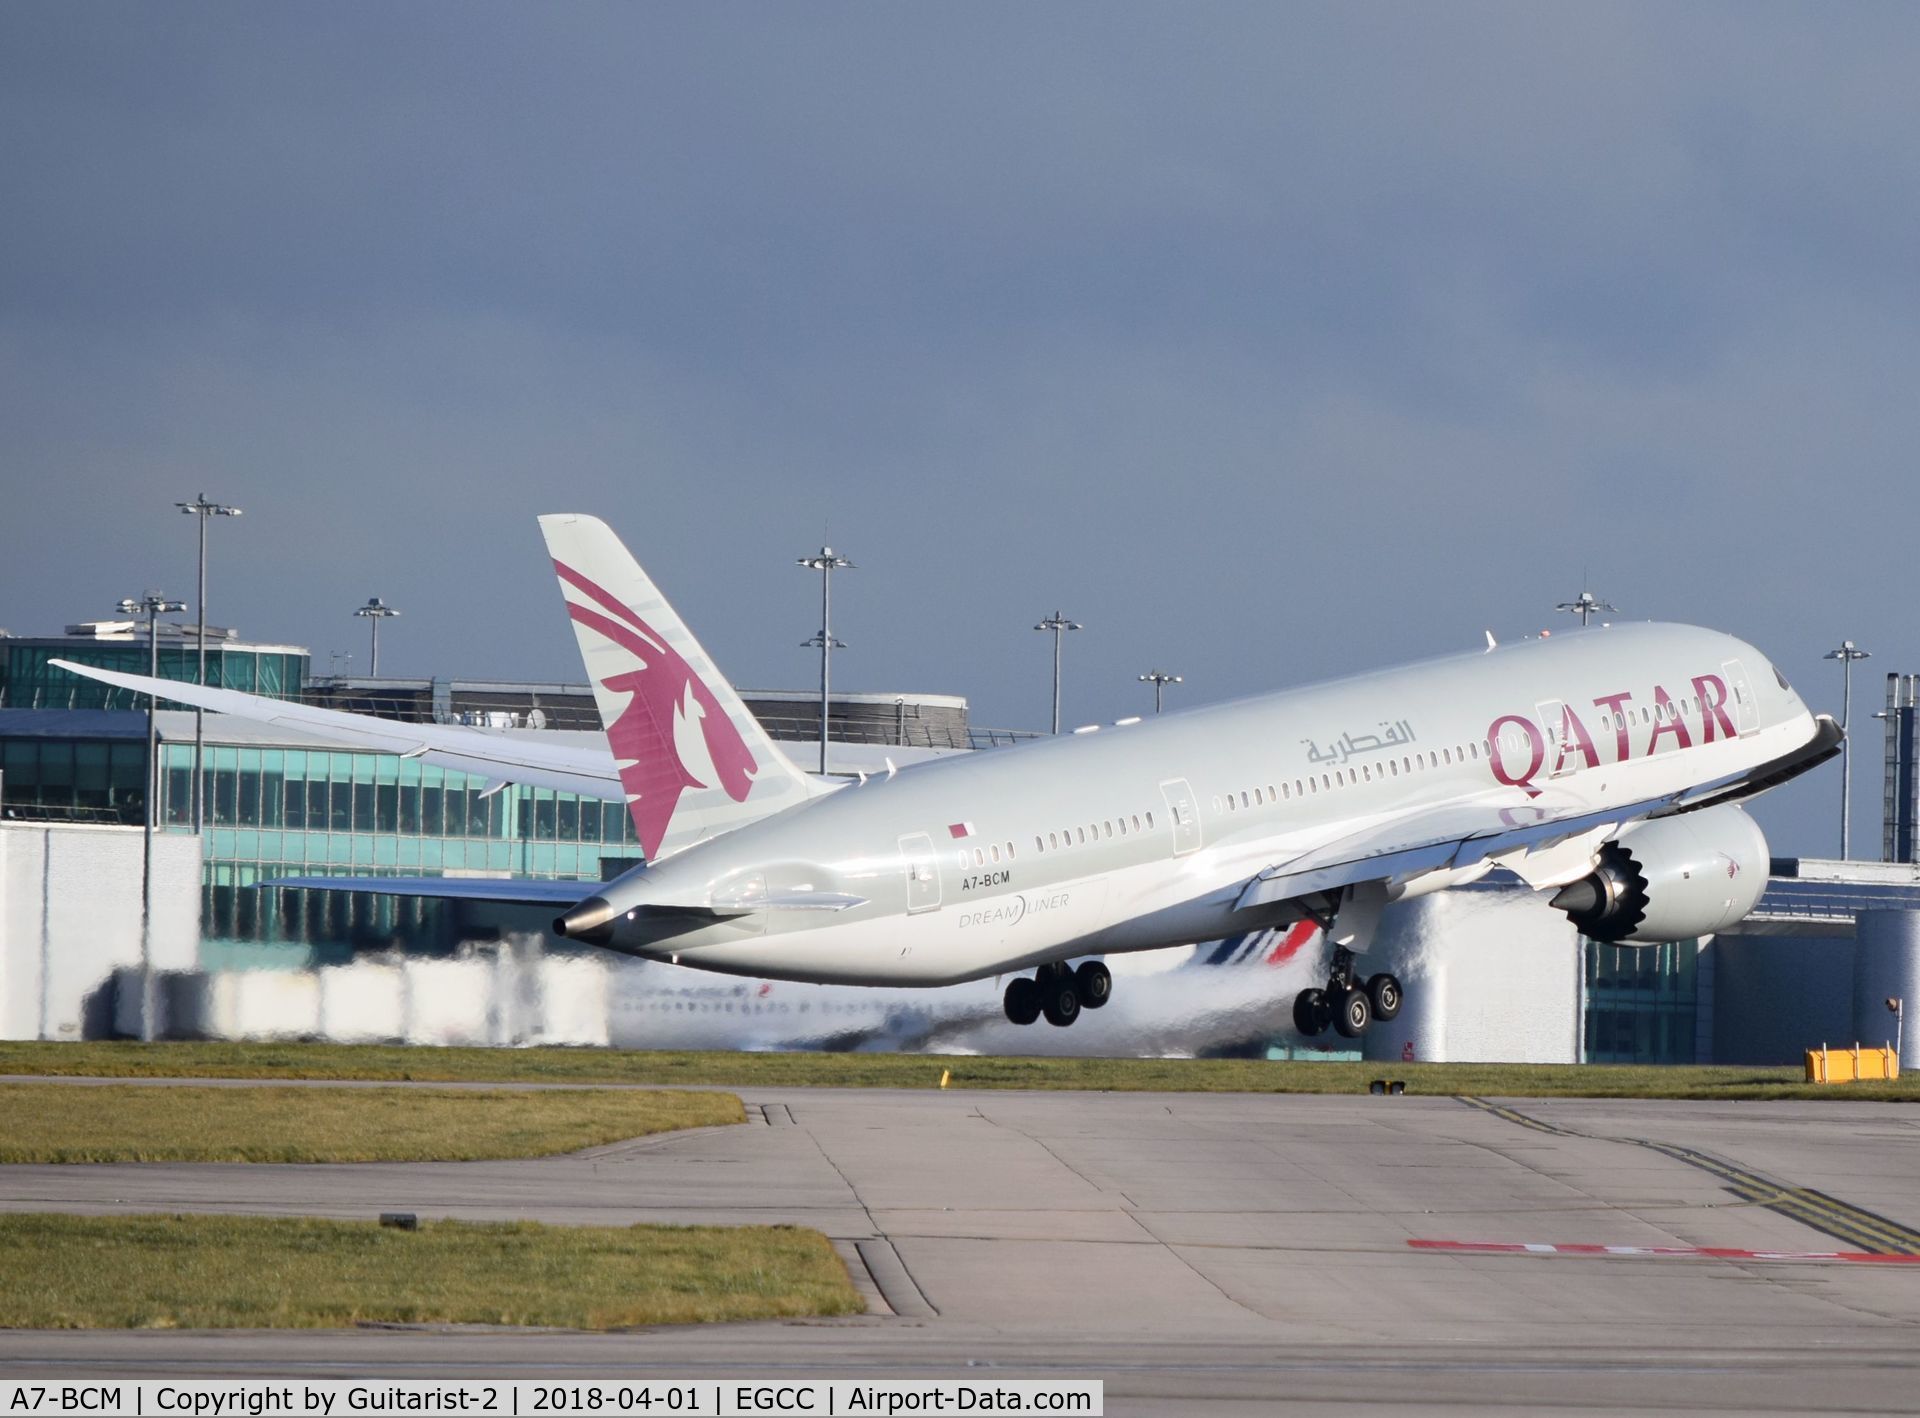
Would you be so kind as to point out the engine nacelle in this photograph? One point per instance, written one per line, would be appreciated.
(1673, 878)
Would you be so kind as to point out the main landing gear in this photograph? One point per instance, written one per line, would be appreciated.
(1350, 1007)
(1059, 992)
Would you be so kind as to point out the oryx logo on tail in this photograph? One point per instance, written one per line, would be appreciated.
(693, 761)
(653, 738)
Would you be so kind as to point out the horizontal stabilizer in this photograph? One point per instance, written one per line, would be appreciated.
(501, 892)
(499, 757)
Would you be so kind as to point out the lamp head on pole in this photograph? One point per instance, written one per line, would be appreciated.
(1849, 652)
(151, 604)
(204, 508)
(1585, 605)
(1057, 622)
(376, 609)
(827, 560)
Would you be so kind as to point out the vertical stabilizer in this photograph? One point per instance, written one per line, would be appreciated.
(694, 763)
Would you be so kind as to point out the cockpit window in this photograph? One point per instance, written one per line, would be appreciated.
(1782, 680)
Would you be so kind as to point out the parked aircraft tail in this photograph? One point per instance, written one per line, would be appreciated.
(693, 762)
(1274, 946)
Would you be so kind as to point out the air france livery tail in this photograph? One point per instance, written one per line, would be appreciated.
(692, 761)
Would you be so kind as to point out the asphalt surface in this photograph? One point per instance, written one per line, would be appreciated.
(1217, 1253)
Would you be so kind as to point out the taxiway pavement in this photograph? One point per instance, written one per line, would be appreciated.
(1225, 1252)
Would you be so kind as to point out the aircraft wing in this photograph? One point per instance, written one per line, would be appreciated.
(1464, 835)
(500, 891)
(485, 753)
(1450, 838)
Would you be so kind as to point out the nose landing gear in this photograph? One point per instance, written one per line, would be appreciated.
(1058, 992)
(1350, 1007)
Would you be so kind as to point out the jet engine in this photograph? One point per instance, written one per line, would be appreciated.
(1672, 878)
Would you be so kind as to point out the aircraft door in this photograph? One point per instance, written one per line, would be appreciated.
(923, 873)
(1185, 812)
(1746, 709)
(1553, 723)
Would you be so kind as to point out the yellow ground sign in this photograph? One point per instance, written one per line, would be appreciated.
(1826, 1065)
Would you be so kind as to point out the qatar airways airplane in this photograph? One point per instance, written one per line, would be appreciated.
(1604, 765)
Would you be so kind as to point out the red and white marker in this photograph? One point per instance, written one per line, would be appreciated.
(1537, 1248)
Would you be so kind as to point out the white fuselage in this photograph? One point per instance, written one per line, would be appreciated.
(1144, 835)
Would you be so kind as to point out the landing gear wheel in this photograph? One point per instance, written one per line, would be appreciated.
(1310, 1012)
(1093, 982)
(1383, 993)
(1022, 1000)
(1062, 1006)
(1356, 1013)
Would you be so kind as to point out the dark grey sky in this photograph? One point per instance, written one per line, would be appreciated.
(1267, 340)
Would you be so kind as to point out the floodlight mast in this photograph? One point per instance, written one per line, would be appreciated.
(375, 611)
(202, 509)
(1058, 624)
(1846, 654)
(1159, 679)
(826, 563)
(153, 606)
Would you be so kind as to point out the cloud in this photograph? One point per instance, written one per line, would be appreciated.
(1269, 342)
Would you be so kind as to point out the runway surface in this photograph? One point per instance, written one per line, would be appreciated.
(1197, 1252)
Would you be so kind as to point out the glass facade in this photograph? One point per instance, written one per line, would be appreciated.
(87, 780)
(322, 812)
(29, 681)
(292, 812)
(1641, 1002)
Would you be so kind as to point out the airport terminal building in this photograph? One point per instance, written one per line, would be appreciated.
(1492, 972)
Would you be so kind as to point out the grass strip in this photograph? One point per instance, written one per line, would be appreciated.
(224, 1272)
(847, 1070)
(51, 1122)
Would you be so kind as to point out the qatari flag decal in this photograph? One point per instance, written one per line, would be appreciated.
(960, 829)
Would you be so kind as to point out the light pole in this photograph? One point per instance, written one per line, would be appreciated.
(1057, 623)
(375, 611)
(1846, 655)
(1585, 606)
(154, 606)
(1898, 1006)
(1159, 679)
(826, 563)
(202, 509)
